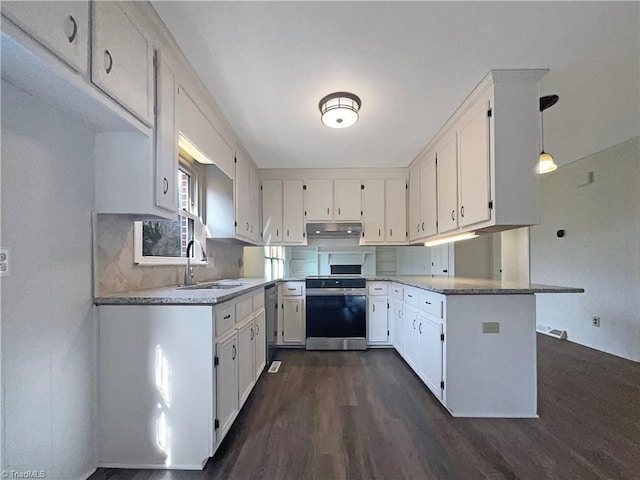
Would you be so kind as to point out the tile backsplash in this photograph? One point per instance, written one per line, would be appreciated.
(116, 272)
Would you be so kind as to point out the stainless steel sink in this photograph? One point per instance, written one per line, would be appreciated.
(219, 285)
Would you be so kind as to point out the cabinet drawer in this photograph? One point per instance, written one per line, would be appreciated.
(258, 301)
(431, 303)
(244, 308)
(292, 289)
(378, 288)
(224, 319)
(412, 296)
(397, 291)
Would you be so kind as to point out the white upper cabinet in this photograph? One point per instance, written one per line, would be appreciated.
(292, 212)
(428, 197)
(246, 200)
(62, 27)
(373, 210)
(473, 155)
(448, 183)
(318, 200)
(346, 200)
(414, 203)
(121, 59)
(395, 211)
(272, 212)
(166, 137)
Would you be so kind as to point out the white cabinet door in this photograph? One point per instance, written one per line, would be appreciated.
(447, 152)
(292, 328)
(396, 322)
(166, 153)
(254, 204)
(373, 211)
(473, 137)
(414, 203)
(378, 329)
(62, 27)
(410, 335)
(430, 353)
(395, 211)
(272, 212)
(260, 343)
(241, 186)
(346, 200)
(226, 384)
(440, 259)
(246, 362)
(318, 200)
(428, 197)
(293, 212)
(121, 59)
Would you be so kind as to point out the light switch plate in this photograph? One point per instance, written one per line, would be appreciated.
(490, 327)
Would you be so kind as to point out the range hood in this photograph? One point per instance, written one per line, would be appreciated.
(334, 230)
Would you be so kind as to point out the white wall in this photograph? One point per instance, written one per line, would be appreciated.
(48, 353)
(514, 253)
(599, 252)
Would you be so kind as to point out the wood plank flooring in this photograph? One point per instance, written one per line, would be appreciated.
(365, 415)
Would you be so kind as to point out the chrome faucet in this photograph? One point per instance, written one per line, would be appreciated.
(188, 273)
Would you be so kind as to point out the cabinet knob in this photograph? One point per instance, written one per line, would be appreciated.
(74, 29)
(108, 62)
(165, 186)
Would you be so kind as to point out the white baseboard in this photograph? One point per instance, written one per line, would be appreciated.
(88, 474)
(153, 466)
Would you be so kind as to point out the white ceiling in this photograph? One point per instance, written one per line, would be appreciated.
(267, 64)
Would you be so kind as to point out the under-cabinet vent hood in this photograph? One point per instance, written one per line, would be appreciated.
(333, 230)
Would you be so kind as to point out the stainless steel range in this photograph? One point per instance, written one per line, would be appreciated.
(336, 313)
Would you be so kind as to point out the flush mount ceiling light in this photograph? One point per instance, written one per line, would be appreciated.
(545, 161)
(340, 109)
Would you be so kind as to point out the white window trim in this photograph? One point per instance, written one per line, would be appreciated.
(198, 227)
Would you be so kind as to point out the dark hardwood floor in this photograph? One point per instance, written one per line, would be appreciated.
(365, 415)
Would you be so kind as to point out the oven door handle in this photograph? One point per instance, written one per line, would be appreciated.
(334, 293)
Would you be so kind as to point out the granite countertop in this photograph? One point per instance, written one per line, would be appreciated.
(178, 296)
(434, 283)
(474, 286)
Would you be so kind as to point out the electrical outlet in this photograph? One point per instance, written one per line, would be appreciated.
(5, 266)
(595, 321)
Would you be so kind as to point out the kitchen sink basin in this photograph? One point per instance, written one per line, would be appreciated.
(220, 285)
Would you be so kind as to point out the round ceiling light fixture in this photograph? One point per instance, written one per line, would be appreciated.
(340, 109)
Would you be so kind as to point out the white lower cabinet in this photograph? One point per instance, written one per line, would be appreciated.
(260, 342)
(226, 407)
(410, 336)
(246, 361)
(378, 327)
(396, 321)
(291, 313)
(430, 353)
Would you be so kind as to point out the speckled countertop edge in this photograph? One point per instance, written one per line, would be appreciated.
(436, 284)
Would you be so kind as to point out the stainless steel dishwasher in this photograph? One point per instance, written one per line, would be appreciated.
(271, 312)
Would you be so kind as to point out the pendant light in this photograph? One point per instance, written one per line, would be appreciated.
(545, 161)
(340, 109)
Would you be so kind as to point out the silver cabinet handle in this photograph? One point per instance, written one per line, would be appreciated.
(251, 338)
(417, 227)
(462, 211)
(374, 307)
(247, 226)
(233, 355)
(378, 288)
(427, 302)
(257, 329)
(277, 233)
(251, 228)
(107, 58)
(296, 308)
(391, 232)
(400, 314)
(409, 295)
(291, 289)
(414, 323)
(423, 226)
(165, 186)
(227, 316)
(72, 36)
(338, 211)
(287, 232)
(379, 233)
(420, 328)
(327, 210)
(452, 214)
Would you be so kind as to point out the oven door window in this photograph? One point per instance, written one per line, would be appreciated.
(335, 316)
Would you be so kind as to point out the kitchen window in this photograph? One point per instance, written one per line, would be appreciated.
(165, 242)
(273, 262)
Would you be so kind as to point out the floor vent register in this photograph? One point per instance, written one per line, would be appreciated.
(275, 366)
